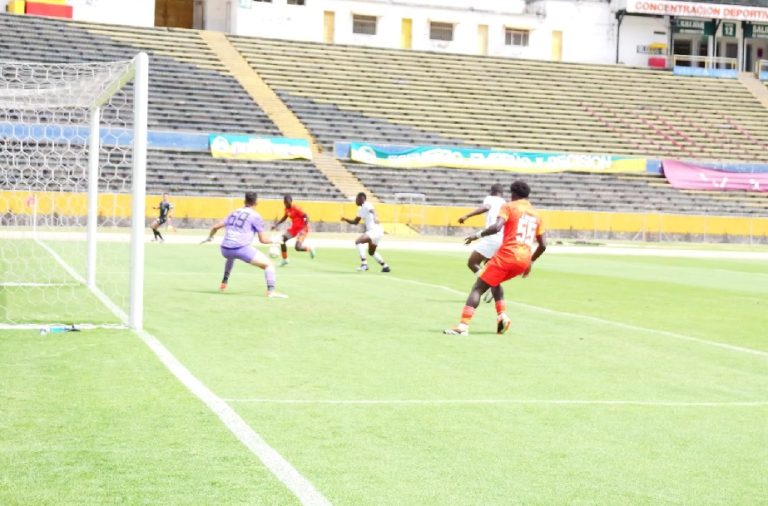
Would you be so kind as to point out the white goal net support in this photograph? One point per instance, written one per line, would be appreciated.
(73, 141)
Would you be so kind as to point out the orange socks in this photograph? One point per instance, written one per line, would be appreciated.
(501, 307)
(466, 314)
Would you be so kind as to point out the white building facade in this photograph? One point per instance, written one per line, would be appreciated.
(641, 33)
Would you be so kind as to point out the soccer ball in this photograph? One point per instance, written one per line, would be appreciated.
(274, 251)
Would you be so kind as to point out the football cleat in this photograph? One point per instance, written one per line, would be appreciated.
(312, 253)
(276, 295)
(363, 267)
(502, 324)
(456, 331)
(223, 287)
(283, 263)
(386, 269)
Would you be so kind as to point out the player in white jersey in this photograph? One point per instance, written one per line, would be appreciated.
(487, 246)
(372, 234)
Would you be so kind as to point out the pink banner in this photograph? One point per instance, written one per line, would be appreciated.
(692, 177)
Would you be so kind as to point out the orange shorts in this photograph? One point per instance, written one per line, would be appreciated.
(300, 233)
(498, 270)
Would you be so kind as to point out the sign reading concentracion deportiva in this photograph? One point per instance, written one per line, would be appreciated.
(698, 10)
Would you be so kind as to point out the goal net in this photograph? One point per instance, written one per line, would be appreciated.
(72, 177)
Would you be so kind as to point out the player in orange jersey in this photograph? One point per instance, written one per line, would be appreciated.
(522, 228)
(299, 229)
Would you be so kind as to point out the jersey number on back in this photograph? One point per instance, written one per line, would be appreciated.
(237, 219)
(526, 230)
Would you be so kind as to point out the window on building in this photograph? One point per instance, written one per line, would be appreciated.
(441, 31)
(297, 2)
(365, 25)
(265, 1)
(515, 37)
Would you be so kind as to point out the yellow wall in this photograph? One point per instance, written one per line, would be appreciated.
(557, 45)
(482, 39)
(215, 208)
(16, 6)
(329, 27)
(406, 37)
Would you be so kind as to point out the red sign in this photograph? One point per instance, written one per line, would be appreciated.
(50, 10)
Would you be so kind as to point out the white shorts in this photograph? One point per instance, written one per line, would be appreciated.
(487, 246)
(375, 234)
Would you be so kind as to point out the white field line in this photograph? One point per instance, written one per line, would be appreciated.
(35, 285)
(79, 326)
(276, 463)
(400, 244)
(122, 316)
(673, 335)
(522, 402)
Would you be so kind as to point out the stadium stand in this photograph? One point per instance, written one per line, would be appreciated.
(579, 191)
(399, 97)
(178, 172)
(179, 63)
(516, 104)
(190, 91)
(203, 175)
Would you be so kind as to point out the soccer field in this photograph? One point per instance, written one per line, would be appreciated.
(623, 380)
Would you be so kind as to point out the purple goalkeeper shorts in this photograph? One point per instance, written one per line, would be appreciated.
(244, 253)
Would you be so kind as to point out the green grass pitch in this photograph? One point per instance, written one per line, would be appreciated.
(667, 417)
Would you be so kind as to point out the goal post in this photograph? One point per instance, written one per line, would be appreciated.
(73, 147)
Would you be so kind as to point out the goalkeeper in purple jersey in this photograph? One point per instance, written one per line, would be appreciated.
(241, 226)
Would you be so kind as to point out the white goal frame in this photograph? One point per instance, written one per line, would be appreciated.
(137, 71)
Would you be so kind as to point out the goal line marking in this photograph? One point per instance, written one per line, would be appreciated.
(108, 303)
(78, 326)
(522, 402)
(22, 284)
(300, 486)
(628, 326)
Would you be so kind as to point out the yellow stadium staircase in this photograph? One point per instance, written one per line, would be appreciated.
(285, 120)
(755, 87)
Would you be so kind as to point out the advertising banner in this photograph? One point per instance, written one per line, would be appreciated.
(694, 177)
(705, 72)
(495, 159)
(247, 147)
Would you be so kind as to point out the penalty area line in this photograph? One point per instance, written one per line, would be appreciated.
(602, 321)
(522, 402)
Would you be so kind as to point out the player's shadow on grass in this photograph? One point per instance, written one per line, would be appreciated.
(228, 291)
